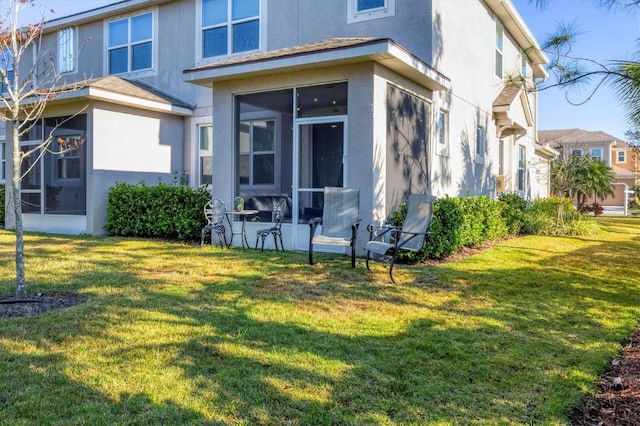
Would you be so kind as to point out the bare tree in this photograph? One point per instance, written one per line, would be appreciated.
(27, 87)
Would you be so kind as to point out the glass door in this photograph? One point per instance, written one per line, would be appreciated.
(321, 161)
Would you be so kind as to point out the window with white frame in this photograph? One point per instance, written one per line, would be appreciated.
(3, 161)
(130, 44)
(481, 144)
(6, 65)
(622, 156)
(257, 153)
(366, 10)
(576, 152)
(524, 65)
(596, 154)
(229, 27)
(443, 132)
(522, 168)
(66, 50)
(499, 47)
(205, 144)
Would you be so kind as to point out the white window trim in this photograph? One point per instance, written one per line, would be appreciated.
(600, 157)
(499, 27)
(353, 15)
(577, 151)
(276, 160)
(482, 152)
(199, 154)
(67, 57)
(262, 33)
(522, 166)
(149, 72)
(196, 123)
(624, 156)
(443, 147)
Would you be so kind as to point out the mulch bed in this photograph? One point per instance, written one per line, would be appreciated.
(36, 304)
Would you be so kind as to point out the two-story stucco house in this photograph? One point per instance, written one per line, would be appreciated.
(613, 152)
(280, 98)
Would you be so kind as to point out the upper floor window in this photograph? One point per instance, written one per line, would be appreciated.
(443, 132)
(481, 144)
(524, 65)
(6, 65)
(596, 154)
(230, 26)
(622, 157)
(130, 44)
(66, 50)
(576, 151)
(365, 10)
(499, 48)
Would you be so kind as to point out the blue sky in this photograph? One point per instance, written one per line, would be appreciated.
(607, 35)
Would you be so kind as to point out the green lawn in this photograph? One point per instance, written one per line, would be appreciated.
(172, 334)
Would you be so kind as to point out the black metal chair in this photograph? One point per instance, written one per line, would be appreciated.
(410, 238)
(277, 215)
(214, 213)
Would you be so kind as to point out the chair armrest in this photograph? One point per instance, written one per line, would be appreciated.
(387, 229)
(313, 225)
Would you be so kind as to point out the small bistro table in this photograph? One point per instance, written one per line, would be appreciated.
(242, 214)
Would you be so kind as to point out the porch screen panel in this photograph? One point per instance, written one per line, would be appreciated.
(407, 145)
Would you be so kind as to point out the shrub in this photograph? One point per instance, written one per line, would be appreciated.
(513, 211)
(542, 219)
(161, 211)
(445, 231)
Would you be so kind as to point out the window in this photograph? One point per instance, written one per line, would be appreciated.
(481, 144)
(622, 156)
(257, 152)
(130, 44)
(522, 168)
(57, 183)
(66, 47)
(499, 48)
(366, 10)
(205, 137)
(230, 26)
(443, 132)
(3, 161)
(576, 151)
(6, 64)
(524, 64)
(596, 154)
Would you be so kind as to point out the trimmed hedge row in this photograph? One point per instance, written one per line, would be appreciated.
(159, 211)
(468, 221)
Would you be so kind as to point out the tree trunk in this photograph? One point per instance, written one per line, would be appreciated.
(21, 281)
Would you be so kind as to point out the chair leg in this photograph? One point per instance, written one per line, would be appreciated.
(202, 239)
(353, 254)
(275, 240)
(368, 257)
(393, 261)
(257, 238)
(281, 243)
(310, 254)
(264, 237)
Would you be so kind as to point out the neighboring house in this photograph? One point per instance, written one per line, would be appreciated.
(613, 152)
(280, 98)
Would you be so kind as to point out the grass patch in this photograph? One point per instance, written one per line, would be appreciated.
(172, 334)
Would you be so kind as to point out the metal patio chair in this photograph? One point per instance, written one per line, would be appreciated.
(340, 221)
(214, 212)
(410, 238)
(277, 216)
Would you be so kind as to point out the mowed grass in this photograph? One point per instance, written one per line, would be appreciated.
(174, 334)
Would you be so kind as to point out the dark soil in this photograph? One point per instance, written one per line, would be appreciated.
(36, 304)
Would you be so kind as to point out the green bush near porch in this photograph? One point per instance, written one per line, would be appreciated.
(172, 212)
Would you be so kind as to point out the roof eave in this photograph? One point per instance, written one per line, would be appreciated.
(384, 52)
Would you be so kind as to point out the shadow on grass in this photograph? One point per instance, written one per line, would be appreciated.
(267, 339)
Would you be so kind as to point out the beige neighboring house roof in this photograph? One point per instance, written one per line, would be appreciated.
(119, 91)
(319, 54)
(557, 138)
